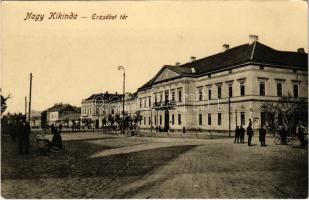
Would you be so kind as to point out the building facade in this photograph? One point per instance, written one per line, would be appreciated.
(100, 107)
(62, 113)
(224, 90)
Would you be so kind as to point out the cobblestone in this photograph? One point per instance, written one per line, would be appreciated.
(139, 167)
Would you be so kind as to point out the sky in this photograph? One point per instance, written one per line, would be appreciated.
(72, 59)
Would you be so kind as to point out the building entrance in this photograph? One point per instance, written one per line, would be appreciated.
(166, 120)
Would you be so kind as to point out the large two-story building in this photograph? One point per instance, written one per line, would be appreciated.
(221, 91)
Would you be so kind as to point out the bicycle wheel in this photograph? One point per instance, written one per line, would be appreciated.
(277, 140)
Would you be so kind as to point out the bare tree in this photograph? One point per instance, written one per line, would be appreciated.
(3, 103)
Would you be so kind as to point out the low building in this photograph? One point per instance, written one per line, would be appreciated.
(96, 108)
(224, 90)
(63, 113)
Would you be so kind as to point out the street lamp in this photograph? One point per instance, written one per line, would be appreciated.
(124, 79)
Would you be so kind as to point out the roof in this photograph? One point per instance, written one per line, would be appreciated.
(104, 97)
(63, 107)
(255, 53)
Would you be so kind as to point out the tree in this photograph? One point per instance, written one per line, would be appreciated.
(290, 111)
(3, 103)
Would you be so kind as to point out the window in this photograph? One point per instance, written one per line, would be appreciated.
(161, 96)
(261, 67)
(179, 119)
(279, 89)
(173, 95)
(149, 101)
(209, 93)
(200, 119)
(242, 89)
(156, 99)
(209, 75)
(230, 71)
(295, 90)
(200, 94)
(149, 121)
(144, 120)
(262, 88)
(219, 119)
(179, 95)
(173, 119)
(230, 90)
(242, 118)
(145, 102)
(166, 95)
(160, 119)
(219, 92)
(155, 120)
(209, 119)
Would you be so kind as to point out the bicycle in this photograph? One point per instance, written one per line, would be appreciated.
(289, 140)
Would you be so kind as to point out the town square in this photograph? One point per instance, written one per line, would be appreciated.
(174, 99)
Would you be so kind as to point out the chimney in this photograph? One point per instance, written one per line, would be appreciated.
(253, 38)
(192, 70)
(116, 93)
(106, 93)
(193, 58)
(301, 50)
(177, 63)
(226, 47)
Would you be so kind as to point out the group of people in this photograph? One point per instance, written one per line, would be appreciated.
(283, 132)
(240, 134)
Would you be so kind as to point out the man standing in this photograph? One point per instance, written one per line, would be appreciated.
(26, 136)
(20, 136)
(250, 134)
(237, 134)
(242, 134)
(262, 134)
(283, 134)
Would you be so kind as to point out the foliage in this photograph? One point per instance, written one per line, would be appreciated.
(3, 103)
(292, 109)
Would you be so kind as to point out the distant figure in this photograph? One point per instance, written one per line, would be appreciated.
(60, 128)
(20, 132)
(283, 133)
(301, 135)
(262, 134)
(26, 136)
(237, 134)
(57, 140)
(250, 134)
(242, 134)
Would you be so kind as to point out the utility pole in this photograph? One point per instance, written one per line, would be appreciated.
(26, 106)
(123, 100)
(30, 91)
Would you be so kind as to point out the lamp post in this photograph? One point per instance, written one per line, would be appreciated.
(124, 79)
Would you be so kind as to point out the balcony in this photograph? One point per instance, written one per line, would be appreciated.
(165, 105)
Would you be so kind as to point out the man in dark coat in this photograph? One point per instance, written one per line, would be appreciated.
(237, 134)
(262, 135)
(20, 135)
(283, 133)
(242, 134)
(26, 135)
(250, 134)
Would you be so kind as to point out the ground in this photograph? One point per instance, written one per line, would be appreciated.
(96, 165)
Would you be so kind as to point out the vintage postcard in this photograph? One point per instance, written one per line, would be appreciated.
(154, 99)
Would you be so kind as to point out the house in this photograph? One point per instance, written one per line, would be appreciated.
(62, 113)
